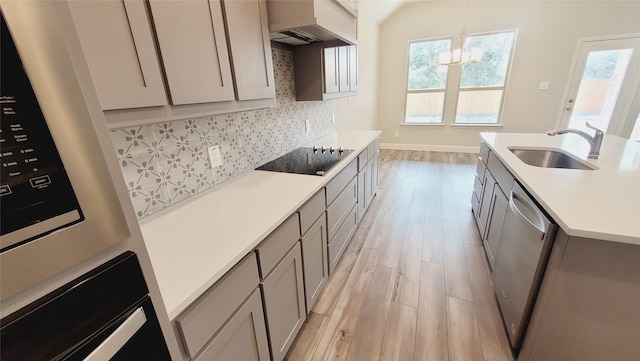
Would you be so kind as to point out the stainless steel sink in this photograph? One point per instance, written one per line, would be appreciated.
(548, 158)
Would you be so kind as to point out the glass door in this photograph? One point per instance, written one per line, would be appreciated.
(602, 85)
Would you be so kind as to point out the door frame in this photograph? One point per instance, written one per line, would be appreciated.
(619, 128)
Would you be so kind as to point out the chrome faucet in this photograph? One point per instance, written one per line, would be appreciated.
(595, 141)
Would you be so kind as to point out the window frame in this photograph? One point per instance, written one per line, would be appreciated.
(407, 91)
(452, 93)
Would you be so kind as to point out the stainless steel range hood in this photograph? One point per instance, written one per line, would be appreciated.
(303, 22)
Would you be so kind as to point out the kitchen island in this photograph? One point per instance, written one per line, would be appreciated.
(588, 304)
(602, 204)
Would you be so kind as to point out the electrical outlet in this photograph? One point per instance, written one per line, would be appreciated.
(307, 125)
(333, 117)
(396, 134)
(215, 159)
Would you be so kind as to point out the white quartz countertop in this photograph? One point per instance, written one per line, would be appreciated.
(194, 243)
(602, 204)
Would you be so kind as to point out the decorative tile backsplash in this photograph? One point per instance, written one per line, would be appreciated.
(165, 163)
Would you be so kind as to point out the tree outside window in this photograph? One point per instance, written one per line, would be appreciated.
(478, 89)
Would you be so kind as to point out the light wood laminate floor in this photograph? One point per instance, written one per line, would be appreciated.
(414, 283)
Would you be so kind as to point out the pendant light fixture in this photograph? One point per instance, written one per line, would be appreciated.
(458, 55)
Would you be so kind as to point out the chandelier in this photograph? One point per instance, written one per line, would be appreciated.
(459, 55)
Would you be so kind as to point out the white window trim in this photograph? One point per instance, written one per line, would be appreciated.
(448, 97)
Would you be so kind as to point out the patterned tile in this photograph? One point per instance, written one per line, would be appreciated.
(166, 163)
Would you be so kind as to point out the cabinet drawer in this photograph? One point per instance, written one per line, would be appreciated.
(311, 210)
(339, 209)
(371, 150)
(362, 160)
(337, 184)
(475, 204)
(480, 169)
(203, 319)
(277, 244)
(341, 240)
(484, 152)
(477, 188)
(500, 173)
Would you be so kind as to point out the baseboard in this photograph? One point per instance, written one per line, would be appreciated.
(432, 147)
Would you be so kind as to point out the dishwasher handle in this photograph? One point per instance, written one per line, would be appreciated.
(524, 209)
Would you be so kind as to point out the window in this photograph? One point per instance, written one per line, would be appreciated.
(477, 89)
(426, 86)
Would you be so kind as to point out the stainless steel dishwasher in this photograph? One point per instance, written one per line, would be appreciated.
(522, 255)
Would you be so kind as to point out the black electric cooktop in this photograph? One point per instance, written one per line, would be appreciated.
(307, 160)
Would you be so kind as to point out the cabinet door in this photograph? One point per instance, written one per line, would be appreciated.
(193, 45)
(243, 338)
(118, 45)
(314, 257)
(370, 187)
(375, 172)
(485, 202)
(498, 209)
(343, 69)
(331, 81)
(362, 192)
(284, 302)
(248, 30)
(353, 68)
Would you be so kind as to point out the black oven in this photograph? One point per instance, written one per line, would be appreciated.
(105, 314)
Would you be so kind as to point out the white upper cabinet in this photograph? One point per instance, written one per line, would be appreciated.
(215, 55)
(353, 68)
(117, 43)
(325, 73)
(248, 28)
(193, 47)
(331, 75)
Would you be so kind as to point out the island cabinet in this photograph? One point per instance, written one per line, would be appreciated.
(322, 73)
(341, 194)
(489, 200)
(313, 225)
(280, 260)
(213, 54)
(588, 306)
(227, 321)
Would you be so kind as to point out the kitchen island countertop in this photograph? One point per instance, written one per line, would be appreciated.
(601, 204)
(194, 243)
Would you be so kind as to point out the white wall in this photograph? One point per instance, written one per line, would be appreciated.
(547, 38)
(360, 111)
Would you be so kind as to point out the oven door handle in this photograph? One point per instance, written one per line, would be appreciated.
(114, 342)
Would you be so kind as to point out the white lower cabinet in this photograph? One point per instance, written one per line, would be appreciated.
(498, 210)
(314, 256)
(289, 269)
(489, 201)
(243, 338)
(367, 177)
(283, 292)
(227, 322)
